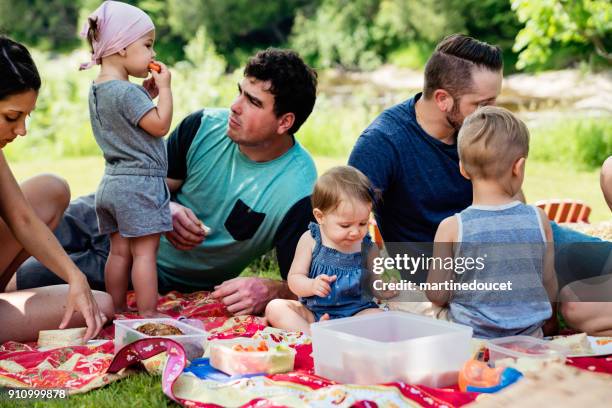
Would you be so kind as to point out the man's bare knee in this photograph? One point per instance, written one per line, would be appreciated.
(49, 195)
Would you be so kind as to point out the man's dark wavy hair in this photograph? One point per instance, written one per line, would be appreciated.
(450, 66)
(293, 83)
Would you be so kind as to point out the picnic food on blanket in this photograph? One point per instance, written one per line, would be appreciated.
(577, 343)
(604, 341)
(191, 338)
(245, 356)
(154, 67)
(159, 330)
(476, 376)
(524, 353)
(261, 347)
(61, 338)
(557, 385)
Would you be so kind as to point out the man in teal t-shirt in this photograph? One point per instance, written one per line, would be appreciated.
(241, 173)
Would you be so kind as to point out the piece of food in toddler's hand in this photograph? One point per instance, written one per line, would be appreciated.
(159, 330)
(61, 338)
(154, 67)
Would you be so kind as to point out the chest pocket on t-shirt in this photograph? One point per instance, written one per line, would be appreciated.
(243, 222)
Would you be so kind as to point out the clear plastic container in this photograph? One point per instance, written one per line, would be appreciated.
(390, 346)
(223, 356)
(520, 347)
(193, 339)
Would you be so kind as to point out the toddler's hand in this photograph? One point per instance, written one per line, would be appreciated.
(151, 87)
(321, 285)
(161, 78)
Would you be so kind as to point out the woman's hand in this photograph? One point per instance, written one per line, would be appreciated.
(80, 298)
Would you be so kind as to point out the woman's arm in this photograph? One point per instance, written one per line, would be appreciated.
(446, 236)
(40, 242)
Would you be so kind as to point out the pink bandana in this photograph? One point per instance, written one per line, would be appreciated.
(119, 25)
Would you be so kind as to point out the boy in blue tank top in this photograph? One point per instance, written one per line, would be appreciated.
(513, 241)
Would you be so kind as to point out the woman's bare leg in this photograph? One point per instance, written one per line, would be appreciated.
(24, 313)
(587, 305)
(49, 196)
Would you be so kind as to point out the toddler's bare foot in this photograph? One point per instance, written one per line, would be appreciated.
(324, 317)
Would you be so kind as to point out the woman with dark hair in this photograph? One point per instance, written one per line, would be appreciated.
(27, 215)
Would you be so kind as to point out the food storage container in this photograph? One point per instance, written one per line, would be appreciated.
(390, 346)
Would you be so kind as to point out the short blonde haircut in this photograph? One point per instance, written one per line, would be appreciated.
(490, 141)
(338, 183)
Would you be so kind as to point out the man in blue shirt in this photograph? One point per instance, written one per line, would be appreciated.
(410, 155)
(241, 186)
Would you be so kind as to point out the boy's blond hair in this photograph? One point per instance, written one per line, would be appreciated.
(490, 141)
(337, 183)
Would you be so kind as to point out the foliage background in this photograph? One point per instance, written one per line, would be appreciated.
(207, 41)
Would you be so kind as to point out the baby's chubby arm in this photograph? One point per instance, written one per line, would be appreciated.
(446, 236)
(299, 282)
(157, 121)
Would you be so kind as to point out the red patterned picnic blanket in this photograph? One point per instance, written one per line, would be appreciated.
(80, 369)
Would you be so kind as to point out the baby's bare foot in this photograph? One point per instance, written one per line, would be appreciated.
(324, 317)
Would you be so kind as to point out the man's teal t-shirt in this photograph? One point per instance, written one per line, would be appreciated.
(242, 201)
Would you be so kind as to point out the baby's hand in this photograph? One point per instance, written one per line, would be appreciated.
(321, 285)
(161, 78)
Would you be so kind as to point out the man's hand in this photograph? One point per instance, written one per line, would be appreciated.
(188, 231)
(321, 285)
(244, 296)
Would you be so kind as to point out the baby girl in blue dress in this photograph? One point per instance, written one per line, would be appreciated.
(329, 272)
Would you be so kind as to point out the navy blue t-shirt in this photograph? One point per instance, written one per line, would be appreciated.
(417, 174)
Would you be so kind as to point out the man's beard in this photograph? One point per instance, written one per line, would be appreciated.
(455, 118)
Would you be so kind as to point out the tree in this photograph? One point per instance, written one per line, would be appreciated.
(47, 24)
(586, 23)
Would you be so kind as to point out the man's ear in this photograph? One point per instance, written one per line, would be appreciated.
(462, 170)
(443, 100)
(318, 214)
(285, 122)
(518, 168)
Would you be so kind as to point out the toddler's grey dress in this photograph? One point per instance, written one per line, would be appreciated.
(132, 197)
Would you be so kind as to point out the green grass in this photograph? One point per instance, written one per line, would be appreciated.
(138, 390)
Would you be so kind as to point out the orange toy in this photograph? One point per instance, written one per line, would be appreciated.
(478, 374)
(154, 67)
